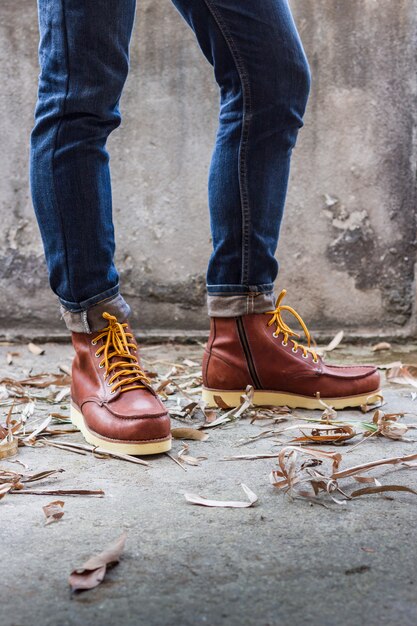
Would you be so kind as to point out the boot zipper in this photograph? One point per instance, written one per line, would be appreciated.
(246, 350)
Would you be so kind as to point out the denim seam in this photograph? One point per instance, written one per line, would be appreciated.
(85, 304)
(243, 148)
(65, 244)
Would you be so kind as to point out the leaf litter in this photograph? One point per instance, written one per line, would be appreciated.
(234, 504)
(54, 511)
(302, 471)
(307, 473)
(93, 571)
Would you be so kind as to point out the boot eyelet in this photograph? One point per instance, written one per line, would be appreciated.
(293, 350)
(101, 366)
(97, 355)
(305, 356)
(275, 334)
(112, 391)
(93, 342)
(284, 343)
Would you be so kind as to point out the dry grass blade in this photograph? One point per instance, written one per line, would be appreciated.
(351, 471)
(181, 465)
(81, 447)
(265, 434)
(250, 457)
(189, 433)
(62, 492)
(31, 478)
(54, 511)
(234, 504)
(92, 572)
(381, 489)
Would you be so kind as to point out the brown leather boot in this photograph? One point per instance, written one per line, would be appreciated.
(112, 401)
(262, 352)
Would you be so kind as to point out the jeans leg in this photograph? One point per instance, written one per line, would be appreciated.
(264, 79)
(83, 56)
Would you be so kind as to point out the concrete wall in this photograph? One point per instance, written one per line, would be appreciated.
(347, 250)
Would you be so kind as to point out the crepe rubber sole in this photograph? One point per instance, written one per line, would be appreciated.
(132, 447)
(294, 401)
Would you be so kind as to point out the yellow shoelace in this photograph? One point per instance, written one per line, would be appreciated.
(282, 327)
(129, 368)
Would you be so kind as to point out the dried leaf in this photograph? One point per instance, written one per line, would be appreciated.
(246, 401)
(189, 433)
(382, 345)
(53, 511)
(34, 349)
(329, 412)
(62, 393)
(92, 572)
(332, 345)
(66, 369)
(326, 434)
(221, 403)
(5, 488)
(8, 448)
(376, 400)
(184, 457)
(403, 375)
(195, 499)
(31, 439)
(386, 425)
(190, 363)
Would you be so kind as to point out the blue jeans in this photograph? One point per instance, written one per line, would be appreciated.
(264, 80)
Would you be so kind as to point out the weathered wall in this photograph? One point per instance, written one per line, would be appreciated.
(347, 249)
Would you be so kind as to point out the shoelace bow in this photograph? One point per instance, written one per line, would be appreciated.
(282, 327)
(128, 367)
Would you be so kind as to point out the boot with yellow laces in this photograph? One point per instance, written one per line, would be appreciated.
(112, 401)
(263, 352)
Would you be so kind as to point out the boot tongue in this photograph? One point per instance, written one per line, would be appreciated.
(119, 358)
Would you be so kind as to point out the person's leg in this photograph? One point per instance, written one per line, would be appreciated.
(83, 55)
(263, 74)
(264, 78)
(84, 63)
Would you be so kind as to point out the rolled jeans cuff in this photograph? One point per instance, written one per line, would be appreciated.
(232, 305)
(90, 319)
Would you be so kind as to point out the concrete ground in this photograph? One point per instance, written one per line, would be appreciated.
(280, 562)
